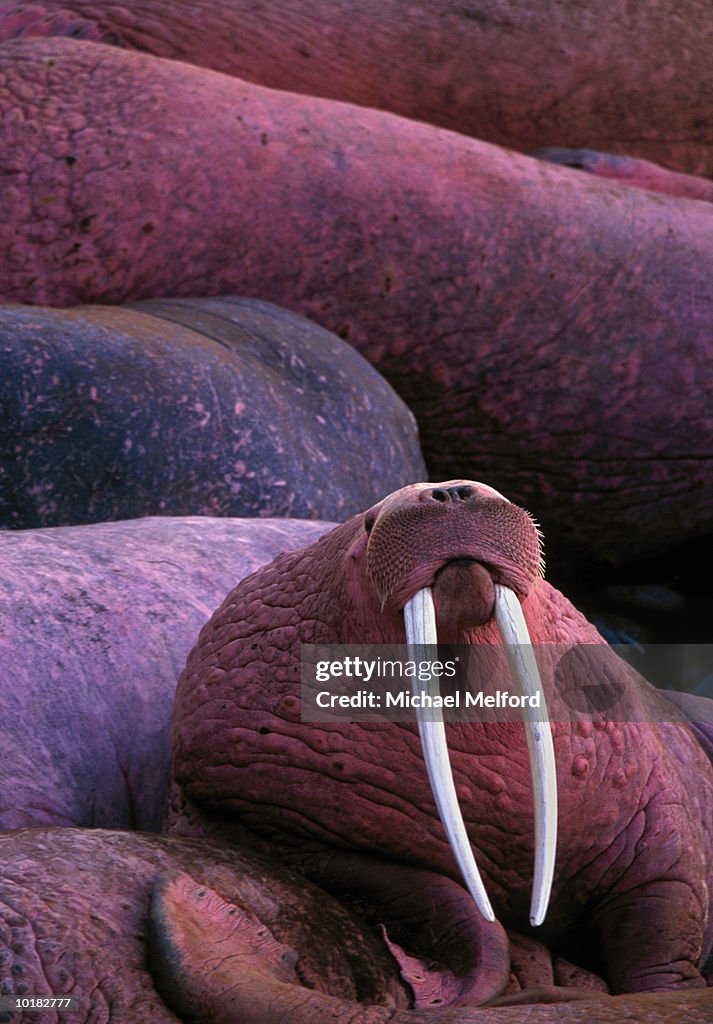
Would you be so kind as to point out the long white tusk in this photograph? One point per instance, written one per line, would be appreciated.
(518, 650)
(420, 621)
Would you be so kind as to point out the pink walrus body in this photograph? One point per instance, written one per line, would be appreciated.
(548, 330)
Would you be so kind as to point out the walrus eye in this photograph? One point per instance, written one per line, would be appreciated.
(369, 521)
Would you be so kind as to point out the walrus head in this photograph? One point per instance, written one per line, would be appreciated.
(477, 554)
(447, 562)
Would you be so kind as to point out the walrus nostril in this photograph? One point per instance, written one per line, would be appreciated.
(447, 494)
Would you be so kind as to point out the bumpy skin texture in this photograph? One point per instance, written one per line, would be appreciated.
(630, 171)
(634, 862)
(627, 77)
(79, 908)
(74, 917)
(251, 977)
(191, 407)
(95, 624)
(531, 317)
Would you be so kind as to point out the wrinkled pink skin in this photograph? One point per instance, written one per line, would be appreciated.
(225, 968)
(74, 919)
(74, 903)
(76, 913)
(630, 171)
(636, 800)
(606, 74)
(545, 319)
(96, 622)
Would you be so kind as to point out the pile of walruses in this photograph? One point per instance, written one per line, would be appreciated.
(242, 246)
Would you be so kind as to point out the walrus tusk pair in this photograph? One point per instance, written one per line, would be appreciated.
(420, 621)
